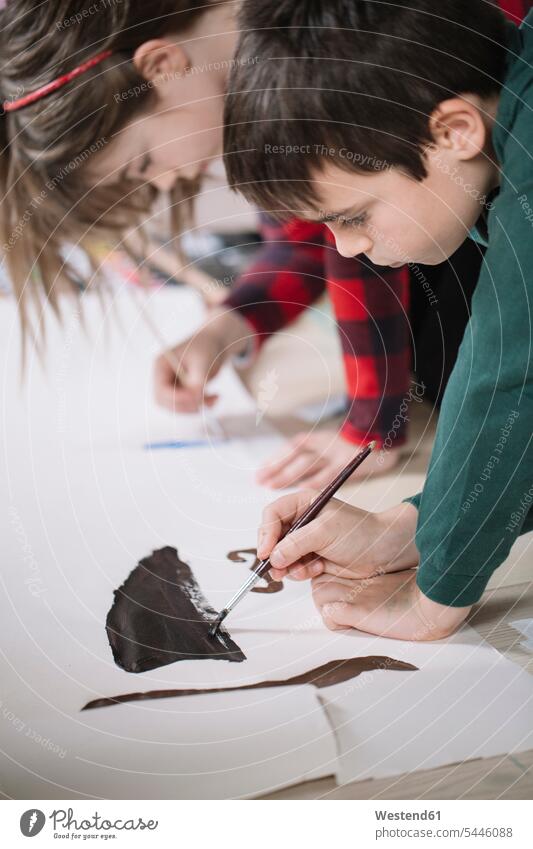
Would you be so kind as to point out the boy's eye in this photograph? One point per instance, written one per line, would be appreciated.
(342, 221)
(356, 221)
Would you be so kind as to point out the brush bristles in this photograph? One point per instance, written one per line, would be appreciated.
(213, 631)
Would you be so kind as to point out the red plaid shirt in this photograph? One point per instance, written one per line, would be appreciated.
(516, 10)
(296, 265)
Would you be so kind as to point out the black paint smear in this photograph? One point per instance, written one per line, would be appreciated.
(270, 586)
(160, 616)
(334, 672)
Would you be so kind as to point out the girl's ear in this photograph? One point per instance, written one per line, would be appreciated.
(160, 58)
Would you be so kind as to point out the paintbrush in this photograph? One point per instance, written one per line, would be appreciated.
(311, 513)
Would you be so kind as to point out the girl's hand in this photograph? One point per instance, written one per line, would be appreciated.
(181, 373)
(314, 459)
(342, 541)
(388, 605)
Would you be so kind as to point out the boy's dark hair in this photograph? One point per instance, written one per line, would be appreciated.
(351, 82)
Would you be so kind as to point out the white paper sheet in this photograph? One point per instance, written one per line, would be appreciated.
(93, 387)
(525, 627)
(83, 502)
(465, 702)
(227, 745)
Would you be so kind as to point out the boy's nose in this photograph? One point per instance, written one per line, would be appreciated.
(352, 244)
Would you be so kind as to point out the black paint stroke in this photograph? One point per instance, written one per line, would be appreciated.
(334, 672)
(160, 616)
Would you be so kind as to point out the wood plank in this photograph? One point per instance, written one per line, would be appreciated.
(491, 778)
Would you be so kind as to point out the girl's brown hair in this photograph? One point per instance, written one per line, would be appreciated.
(47, 199)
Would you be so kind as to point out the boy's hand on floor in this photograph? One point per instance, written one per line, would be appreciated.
(314, 459)
(182, 373)
(343, 541)
(387, 605)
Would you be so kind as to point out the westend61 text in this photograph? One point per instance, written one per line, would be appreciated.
(407, 815)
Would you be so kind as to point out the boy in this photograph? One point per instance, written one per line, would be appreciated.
(414, 129)
(414, 319)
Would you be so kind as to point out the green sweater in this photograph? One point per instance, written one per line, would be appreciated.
(478, 496)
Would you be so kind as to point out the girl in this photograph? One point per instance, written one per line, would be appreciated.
(105, 105)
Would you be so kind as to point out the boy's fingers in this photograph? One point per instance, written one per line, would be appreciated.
(339, 615)
(301, 572)
(342, 576)
(341, 605)
(333, 601)
(343, 573)
(307, 540)
(326, 589)
(278, 516)
(278, 574)
(271, 528)
(306, 571)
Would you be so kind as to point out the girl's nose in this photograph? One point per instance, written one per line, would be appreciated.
(164, 182)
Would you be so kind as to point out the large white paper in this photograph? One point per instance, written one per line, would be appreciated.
(465, 702)
(83, 502)
(525, 627)
(200, 747)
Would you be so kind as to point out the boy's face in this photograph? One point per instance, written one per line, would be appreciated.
(394, 220)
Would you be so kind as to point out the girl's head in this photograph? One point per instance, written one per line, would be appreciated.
(89, 159)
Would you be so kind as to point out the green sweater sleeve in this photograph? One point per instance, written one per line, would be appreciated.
(527, 526)
(479, 489)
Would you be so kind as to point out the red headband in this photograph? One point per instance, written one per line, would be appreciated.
(45, 90)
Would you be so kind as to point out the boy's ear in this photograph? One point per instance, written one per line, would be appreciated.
(160, 58)
(458, 125)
